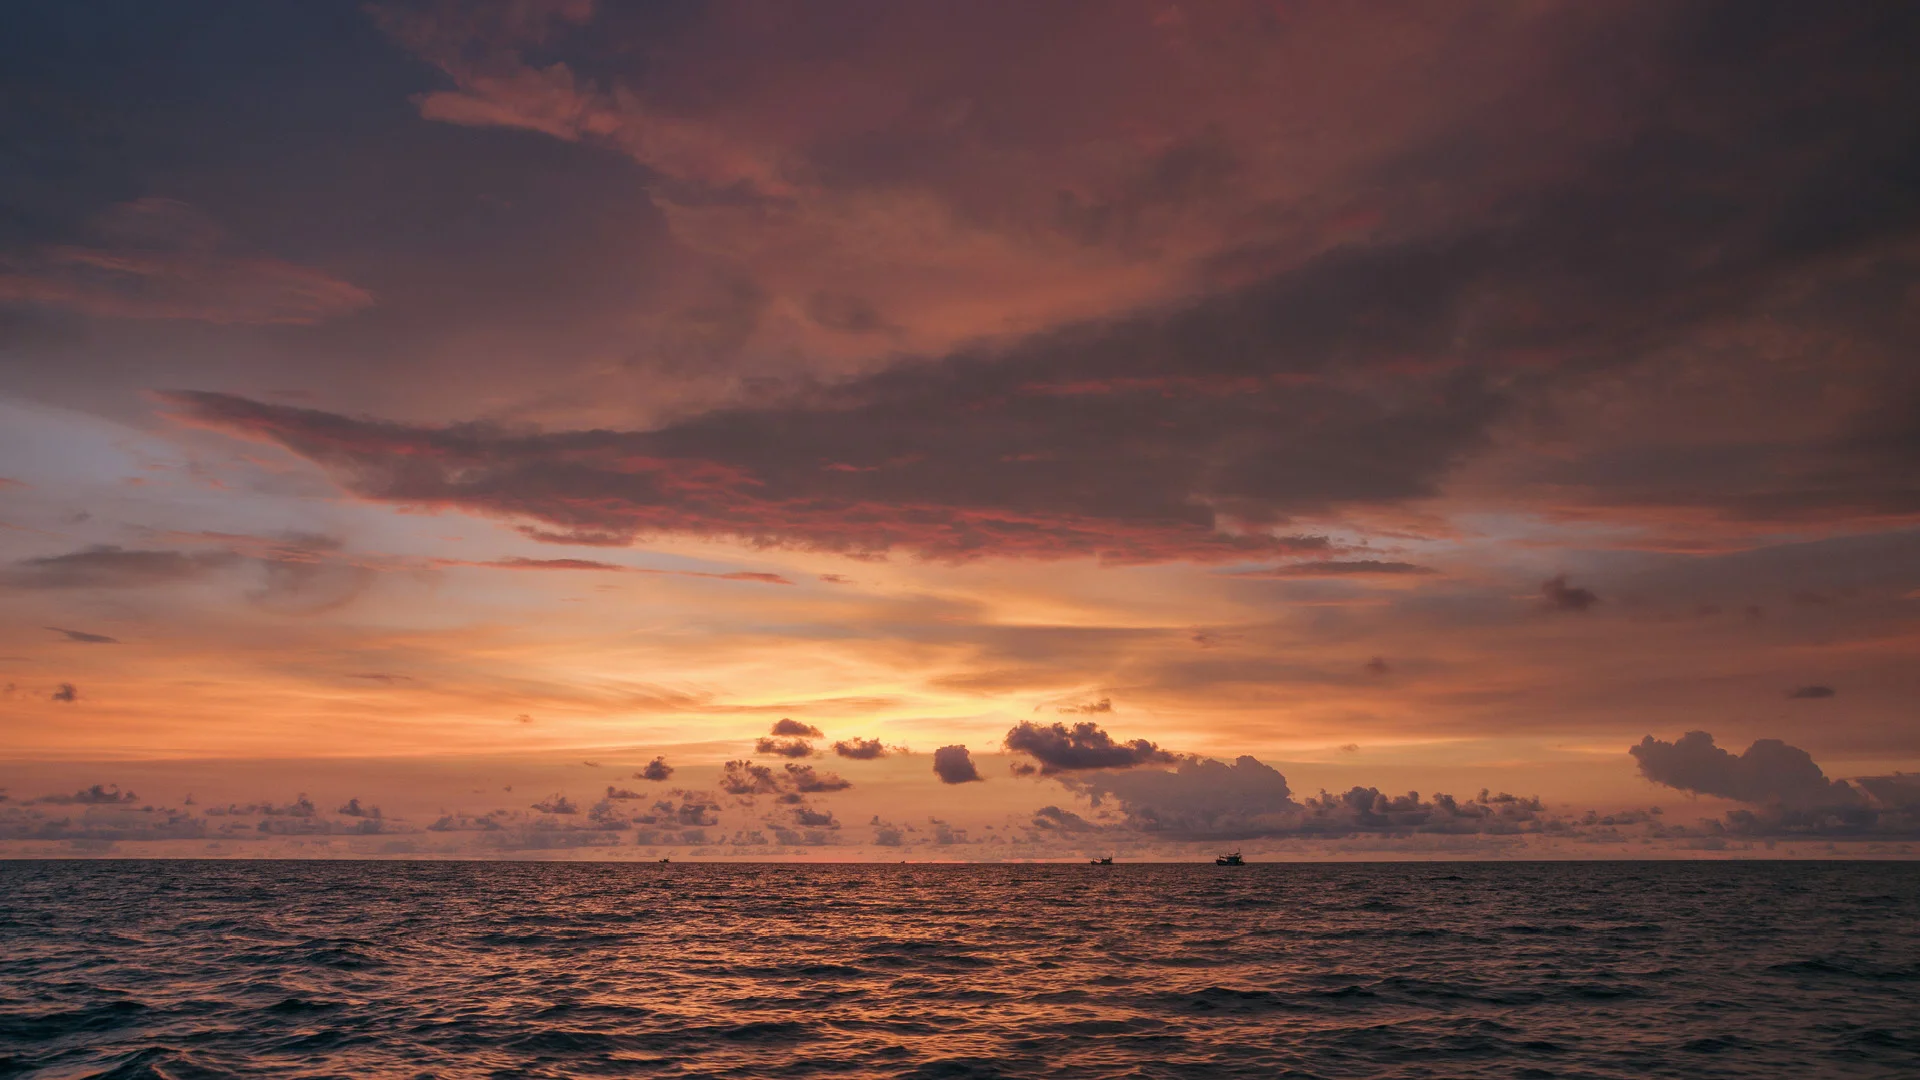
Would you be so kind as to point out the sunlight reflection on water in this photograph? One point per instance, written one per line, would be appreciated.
(185, 969)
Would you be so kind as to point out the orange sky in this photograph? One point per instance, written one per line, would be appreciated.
(417, 406)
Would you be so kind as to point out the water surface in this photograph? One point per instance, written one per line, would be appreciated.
(314, 969)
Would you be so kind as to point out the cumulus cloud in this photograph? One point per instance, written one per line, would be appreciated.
(556, 804)
(1200, 798)
(1769, 772)
(94, 795)
(747, 779)
(656, 770)
(353, 809)
(614, 793)
(66, 692)
(1205, 799)
(859, 749)
(784, 726)
(1058, 748)
(1558, 595)
(954, 765)
(805, 779)
(816, 819)
(793, 748)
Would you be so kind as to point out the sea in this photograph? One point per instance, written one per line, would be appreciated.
(188, 969)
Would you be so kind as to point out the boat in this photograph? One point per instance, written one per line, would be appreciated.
(1230, 859)
(663, 860)
(1108, 861)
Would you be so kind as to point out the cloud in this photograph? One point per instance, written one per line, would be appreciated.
(521, 563)
(859, 749)
(744, 778)
(1203, 799)
(1058, 820)
(556, 804)
(66, 692)
(353, 809)
(169, 263)
(622, 794)
(805, 779)
(96, 795)
(110, 567)
(1769, 772)
(785, 726)
(1337, 569)
(85, 638)
(1811, 693)
(793, 748)
(1560, 596)
(954, 765)
(1089, 708)
(1058, 748)
(1377, 666)
(1199, 799)
(691, 812)
(817, 819)
(656, 770)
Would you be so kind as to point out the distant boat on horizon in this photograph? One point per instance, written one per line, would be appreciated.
(1108, 861)
(1229, 859)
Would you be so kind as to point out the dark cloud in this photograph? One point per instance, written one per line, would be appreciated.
(353, 809)
(96, 795)
(1205, 799)
(1088, 708)
(860, 749)
(1808, 693)
(1560, 596)
(1058, 748)
(1769, 772)
(1377, 666)
(110, 567)
(1055, 819)
(804, 778)
(1337, 568)
(614, 793)
(1199, 799)
(467, 823)
(815, 819)
(691, 812)
(793, 748)
(744, 778)
(557, 804)
(954, 765)
(85, 638)
(785, 726)
(300, 807)
(656, 770)
(66, 692)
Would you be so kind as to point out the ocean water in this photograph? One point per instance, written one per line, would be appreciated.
(387, 969)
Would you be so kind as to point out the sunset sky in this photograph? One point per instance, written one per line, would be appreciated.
(509, 414)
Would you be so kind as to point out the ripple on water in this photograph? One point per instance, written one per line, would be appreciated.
(204, 970)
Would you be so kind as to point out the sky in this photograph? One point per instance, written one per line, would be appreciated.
(988, 430)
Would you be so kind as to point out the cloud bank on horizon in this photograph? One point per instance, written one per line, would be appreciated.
(1400, 393)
